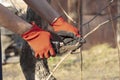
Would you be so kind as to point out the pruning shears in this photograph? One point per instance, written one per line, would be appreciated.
(61, 47)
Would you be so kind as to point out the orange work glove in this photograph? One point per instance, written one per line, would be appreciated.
(61, 25)
(39, 40)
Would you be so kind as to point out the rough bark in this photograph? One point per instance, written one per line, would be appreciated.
(34, 69)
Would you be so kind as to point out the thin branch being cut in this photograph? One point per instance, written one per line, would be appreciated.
(59, 64)
(69, 52)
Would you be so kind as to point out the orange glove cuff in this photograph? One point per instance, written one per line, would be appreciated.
(61, 25)
(33, 30)
(59, 21)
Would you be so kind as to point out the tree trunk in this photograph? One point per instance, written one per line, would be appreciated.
(34, 69)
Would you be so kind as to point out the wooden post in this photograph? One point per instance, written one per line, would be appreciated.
(118, 25)
(0, 58)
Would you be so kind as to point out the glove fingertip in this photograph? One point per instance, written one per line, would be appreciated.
(41, 55)
(78, 35)
(36, 55)
(52, 52)
(46, 54)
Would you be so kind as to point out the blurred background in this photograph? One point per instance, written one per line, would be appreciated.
(100, 54)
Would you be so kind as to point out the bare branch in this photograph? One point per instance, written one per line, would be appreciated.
(100, 25)
(65, 12)
(59, 64)
(99, 12)
(69, 52)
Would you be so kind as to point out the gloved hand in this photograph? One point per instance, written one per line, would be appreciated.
(39, 40)
(60, 25)
(66, 31)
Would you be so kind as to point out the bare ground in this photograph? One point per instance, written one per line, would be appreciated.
(99, 63)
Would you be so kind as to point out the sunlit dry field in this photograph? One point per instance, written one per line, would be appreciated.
(99, 63)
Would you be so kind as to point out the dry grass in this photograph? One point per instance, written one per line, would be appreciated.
(99, 63)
